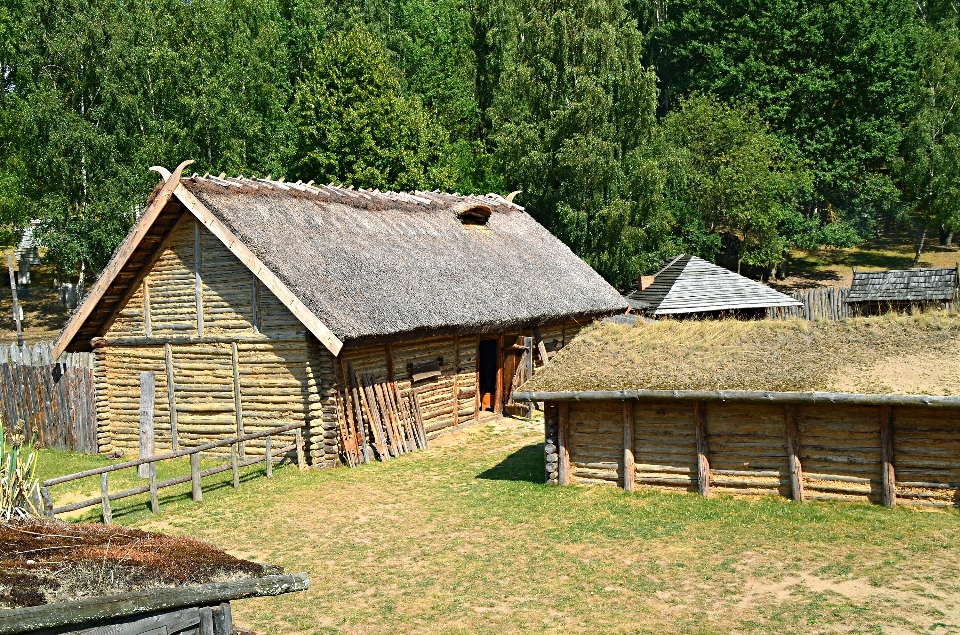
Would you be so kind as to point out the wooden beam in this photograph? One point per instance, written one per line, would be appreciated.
(886, 445)
(171, 396)
(498, 393)
(703, 462)
(147, 326)
(267, 277)
(256, 304)
(148, 384)
(563, 452)
(237, 401)
(197, 263)
(541, 347)
(793, 452)
(116, 263)
(629, 467)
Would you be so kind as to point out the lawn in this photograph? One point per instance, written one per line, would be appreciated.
(465, 538)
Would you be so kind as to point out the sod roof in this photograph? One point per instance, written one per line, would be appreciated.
(914, 354)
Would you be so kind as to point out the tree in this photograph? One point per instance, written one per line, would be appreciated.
(739, 180)
(573, 103)
(930, 165)
(355, 124)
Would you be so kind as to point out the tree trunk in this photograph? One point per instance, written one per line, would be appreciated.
(916, 259)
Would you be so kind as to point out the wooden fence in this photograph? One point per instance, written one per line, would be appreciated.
(818, 304)
(54, 398)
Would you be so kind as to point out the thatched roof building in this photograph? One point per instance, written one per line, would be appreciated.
(690, 285)
(859, 409)
(316, 289)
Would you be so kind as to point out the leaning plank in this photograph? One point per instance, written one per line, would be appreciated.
(703, 461)
(629, 470)
(793, 452)
(116, 606)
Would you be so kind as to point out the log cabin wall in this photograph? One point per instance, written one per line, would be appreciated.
(858, 453)
(239, 360)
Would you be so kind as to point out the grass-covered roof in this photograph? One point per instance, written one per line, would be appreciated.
(912, 354)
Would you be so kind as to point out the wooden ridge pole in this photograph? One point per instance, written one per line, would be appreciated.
(886, 445)
(703, 462)
(563, 454)
(793, 452)
(629, 468)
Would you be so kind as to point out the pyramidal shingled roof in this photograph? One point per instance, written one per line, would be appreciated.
(688, 284)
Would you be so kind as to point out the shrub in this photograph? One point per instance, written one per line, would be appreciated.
(19, 487)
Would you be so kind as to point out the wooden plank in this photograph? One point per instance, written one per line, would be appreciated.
(563, 452)
(793, 452)
(171, 397)
(105, 498)
(629, 471)
(886, 446)
(195, 477)
(197, 259)
(235, 466)
(703, 462)
(237, 400)
(147, 436)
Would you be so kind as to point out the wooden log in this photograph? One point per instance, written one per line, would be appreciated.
(237, 401)
(528, 368)
(154, 501)
(563, 451)
(793, 452)
(147, 436)
(105, 498)
(703, 462)
(887, 467)
(195, 477)
(235, 466)
(498, 392)
(629, 470)
(268, 457)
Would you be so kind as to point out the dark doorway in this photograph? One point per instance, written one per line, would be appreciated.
(487, 363)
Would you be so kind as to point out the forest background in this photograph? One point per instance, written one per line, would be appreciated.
(634, 130)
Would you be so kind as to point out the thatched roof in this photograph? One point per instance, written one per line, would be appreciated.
(889, 354)
(688, 284)
(904, 285)
(359, 265)
(372, 264)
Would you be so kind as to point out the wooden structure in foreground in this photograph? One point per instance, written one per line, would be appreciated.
(202, 609)
(373, 319)
(885, 449)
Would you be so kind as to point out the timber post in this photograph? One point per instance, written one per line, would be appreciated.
(269, 456)
(237, 400)
(195, 477)
(793, 452)
(105, 498)
(171, 396)
(528, 369)
(886, 445)
(563, 453)
(235, 465)
(147, 394)
(154, 500)
(703, 461)
(629, 468)
(498, 393)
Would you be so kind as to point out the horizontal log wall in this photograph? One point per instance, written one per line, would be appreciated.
(805, 452)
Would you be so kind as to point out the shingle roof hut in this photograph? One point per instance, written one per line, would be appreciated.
(690, 285)
(857, 410)
(258, 302)
(874, 291)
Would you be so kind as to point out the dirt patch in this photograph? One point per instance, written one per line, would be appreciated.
(48, 561)
(931, 373)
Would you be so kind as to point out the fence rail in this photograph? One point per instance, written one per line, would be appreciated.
(54, 398)
(195, 476)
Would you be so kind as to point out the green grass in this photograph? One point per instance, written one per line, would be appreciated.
(465, 538)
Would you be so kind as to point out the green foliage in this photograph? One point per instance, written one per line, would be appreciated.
(739, 179)
(19, 487)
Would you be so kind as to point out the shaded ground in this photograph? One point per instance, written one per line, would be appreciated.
(463, 538)
(42, 317)
(42, 562)
(834, 267)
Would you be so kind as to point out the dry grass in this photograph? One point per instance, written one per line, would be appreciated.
(465, 538)
(792, 355)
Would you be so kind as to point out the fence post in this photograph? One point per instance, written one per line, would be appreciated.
(47, 501)
(528, 369)
(269, 458)
(195, 476)
(147, 394)
(300, 462)
(105, 498)
(154, 501)
(234, 465)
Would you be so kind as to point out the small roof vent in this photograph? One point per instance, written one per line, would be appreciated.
(474, 214)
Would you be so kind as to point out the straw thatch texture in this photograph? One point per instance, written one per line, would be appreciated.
(890, 354)
(371, 264)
